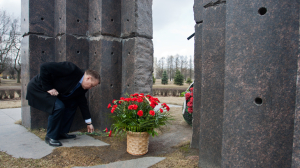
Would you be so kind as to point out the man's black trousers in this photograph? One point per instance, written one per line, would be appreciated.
(61, 119)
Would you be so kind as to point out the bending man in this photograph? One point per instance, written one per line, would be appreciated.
(58, 90)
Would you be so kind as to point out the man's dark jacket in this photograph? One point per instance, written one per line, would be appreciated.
(62, 76)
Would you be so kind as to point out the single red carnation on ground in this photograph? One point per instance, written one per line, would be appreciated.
(106, 130)
(140, 113)
(109, 133)
(109, 105)
(187, 96)
(151, 112)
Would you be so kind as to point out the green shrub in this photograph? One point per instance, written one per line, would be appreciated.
(189, 81)
(164, 79)
(178, 78)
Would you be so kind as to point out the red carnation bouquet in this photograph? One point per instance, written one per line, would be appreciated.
(189, 98)
(136, 113)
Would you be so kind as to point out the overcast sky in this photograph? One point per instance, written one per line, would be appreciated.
(173, 22)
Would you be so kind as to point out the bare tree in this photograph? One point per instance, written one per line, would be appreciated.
(170, 60)
(16, 34)
(176, 60)
(185, 64)
(5, 40)
(10, 44)
(160, 67)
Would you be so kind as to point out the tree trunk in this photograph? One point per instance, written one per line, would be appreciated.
(18, 76)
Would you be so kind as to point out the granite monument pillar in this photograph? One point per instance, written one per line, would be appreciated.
(249, 113)
(91, 34)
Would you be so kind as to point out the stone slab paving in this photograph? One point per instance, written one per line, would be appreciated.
(134, 163)
(82, 140)
(17, 141)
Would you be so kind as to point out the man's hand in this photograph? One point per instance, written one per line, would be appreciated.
(53, 92)
(90, 128)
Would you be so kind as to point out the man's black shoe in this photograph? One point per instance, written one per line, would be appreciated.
(66, 136)
(52, 142)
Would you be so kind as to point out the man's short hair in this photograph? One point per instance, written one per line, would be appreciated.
(94, 74)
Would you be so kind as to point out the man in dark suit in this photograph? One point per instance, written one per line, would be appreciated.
(58, 90)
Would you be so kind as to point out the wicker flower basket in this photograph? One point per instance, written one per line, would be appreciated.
(137, 143)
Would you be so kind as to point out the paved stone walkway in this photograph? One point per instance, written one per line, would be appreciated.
(17, 141)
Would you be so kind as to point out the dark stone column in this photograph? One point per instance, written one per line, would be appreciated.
(60, 48)
(35, 50)
(77, 14)
(106, 58)
(41, 17)
(197, 86)
(111, 18)
(137, 66)
(137, 18)
(60, 17)
(198, 11)
(198, 17)
(77, 51)
(137, 48)
(260, 83)
(212, 90)
(296, 138)
(95, 17)
(71, 17)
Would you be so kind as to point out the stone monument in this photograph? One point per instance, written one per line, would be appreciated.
(112, 37)
(247, 92)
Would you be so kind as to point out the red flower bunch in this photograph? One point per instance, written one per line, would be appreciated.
(189, 97)
(136, 113)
